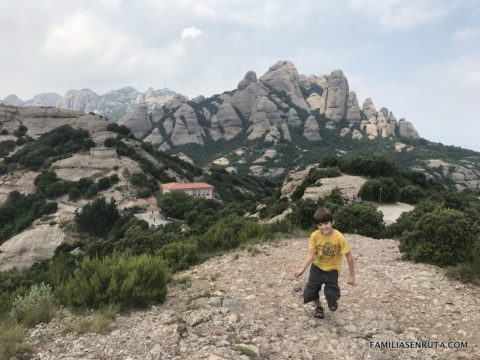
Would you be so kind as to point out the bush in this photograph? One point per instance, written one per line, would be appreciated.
(98, 217)
(382, 190)
(443, 237)
(361, 218)
(180, 255)
(225, 234)
(302, 214)
(37, 306)
(122, 279)
(411, 194)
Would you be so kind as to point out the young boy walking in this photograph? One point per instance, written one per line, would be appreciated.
(326, 247)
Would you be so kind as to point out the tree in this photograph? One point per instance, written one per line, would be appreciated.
(98, 217)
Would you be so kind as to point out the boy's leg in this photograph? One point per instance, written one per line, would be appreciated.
(332, 290)
(312, 290)
(314, 284)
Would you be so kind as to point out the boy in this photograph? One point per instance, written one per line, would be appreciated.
(326, 247)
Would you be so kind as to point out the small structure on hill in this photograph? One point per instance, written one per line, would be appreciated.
(103, 152)
(193, 189)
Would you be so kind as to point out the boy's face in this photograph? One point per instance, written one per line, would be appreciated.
(326, 227)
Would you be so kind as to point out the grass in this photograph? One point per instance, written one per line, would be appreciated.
(184, 281)
(98, 322)
(215, 276)
(12, 340)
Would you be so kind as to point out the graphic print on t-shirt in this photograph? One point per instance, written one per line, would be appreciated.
(325, 250)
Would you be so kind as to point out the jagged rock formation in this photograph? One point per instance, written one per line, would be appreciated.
(269, 107)
(241, 306)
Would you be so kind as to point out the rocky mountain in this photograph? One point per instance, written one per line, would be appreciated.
(112, 105)
(284, 120)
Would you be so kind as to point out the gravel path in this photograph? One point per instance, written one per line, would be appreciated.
(240, 306)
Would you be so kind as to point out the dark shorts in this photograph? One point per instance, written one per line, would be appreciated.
(318, 278)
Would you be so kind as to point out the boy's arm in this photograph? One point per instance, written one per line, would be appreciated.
(304, 266)
(351, 270)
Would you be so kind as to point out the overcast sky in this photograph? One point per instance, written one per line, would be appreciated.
(418, 58)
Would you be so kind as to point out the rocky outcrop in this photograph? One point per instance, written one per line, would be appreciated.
(137, 119)
(354, 114)
(336, 96)
(31, 246)
(349, 185)
(406, 130)
(283, 77)
(186, 129)
(311, 130)
(228, 121)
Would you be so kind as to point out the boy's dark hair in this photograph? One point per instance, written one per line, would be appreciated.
(322, 215)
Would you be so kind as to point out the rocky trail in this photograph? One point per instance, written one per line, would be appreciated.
(247, 305)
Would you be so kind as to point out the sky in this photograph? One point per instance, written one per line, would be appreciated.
(418, 58)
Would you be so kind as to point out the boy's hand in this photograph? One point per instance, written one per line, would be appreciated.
(351, 279)
(297, 273)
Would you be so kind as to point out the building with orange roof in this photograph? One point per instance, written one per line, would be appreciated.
(194, 189)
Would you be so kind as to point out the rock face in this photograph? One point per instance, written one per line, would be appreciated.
(283, 77)
(337, 96)
(30, 246)
(234, 315)
(137, 120)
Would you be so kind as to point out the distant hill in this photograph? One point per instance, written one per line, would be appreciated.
(112, 105)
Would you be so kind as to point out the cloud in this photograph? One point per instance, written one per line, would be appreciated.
(402, 14)
(191, 32)
(467, 33)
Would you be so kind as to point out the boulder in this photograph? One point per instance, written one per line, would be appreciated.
(406, 130)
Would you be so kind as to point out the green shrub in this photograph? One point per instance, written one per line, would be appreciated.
(225, 234)
(180, 255)
(38, 305)
(302, 214)
(382, 190)
(122, 279)
(406, 222)
(444, 237)
(98, 217)
(465, 272)
(411, 194)
(361, 218)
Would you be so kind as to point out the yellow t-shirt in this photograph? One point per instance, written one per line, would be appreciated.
(328, 250)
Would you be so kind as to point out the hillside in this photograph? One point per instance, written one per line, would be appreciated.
(248, 305)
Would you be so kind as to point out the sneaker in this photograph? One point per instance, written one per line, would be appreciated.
(333, 306)
(319, 314)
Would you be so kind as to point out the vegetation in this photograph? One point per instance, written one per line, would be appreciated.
(57, 144)
(38, 305)
(98, 217)
(19, 211)
(122, 279)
